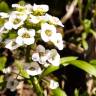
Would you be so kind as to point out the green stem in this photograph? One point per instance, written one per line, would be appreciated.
(36, 86)
(89, 2)
(27, 53)
(80, 9)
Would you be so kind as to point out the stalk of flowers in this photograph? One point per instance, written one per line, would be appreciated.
(26, 36)
(31, 24)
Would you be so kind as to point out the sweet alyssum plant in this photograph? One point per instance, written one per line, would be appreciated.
(31, 27)
(31, 34)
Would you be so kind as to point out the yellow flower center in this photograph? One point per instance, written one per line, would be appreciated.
(13, 43)
(16, 21)
(26, 35)
(48, 32)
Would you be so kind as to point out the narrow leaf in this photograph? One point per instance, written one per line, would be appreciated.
(67, 59)
(93, 62)
(24, 73)
(87, 67)
(21, 70)
(2, 62)
(49, 70)
(58, 92)
(85, 44)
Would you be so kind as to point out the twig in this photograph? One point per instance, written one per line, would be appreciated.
(76, 30)
(70, 11)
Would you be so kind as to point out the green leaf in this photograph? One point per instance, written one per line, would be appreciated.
(4, 6)
(58, 92)
(87, 67)
(21, 69)
(85, 44)
(76, 92)
(2, 21)
(36, 85)
(49, 70)
(93, 62)
(84, 35)
(87, 25)
(2, 62)
(1, 79)
(65, 60)
(24, 73)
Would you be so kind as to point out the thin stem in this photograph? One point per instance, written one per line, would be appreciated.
(70, 11)
(36, 86)
(27, 54)
(80, 9)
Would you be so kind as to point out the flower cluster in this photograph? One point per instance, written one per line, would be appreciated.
(46, 57)
(27, 25)
(29, 22)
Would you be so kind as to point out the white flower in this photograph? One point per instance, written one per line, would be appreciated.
(53, 84)
(12, 45)
(47, 32)
(34, 72)
(43, 60)
(12, 84)
(54, 58)
(2, 30)
(33, 69)
(34, 19)
(40, 49)
(40, 56)
(35, 57)
(7, 70)
(58, 42)
(16, 19)
(40, 9)
(29, 8)
(8, 25)
(54, 20)
(25, 36)
(25, 9)
(16, 5)
(4, 15)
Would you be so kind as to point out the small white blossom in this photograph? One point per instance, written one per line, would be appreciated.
(54, 58)
(7, 70)
(4, 15)
(37, 19)
(12, 84)
(8, 25)
(40, 48)
(54, 20)
(34, 19)
(35, 57)
(16, 19)
(16, 5)
(12, 45)
(2, 30)
(48, 32)
(29, 8)
(25, 36)
(43, 60)
(40, 9)
(53, 84)
(25, 9)
(40, 56)
(34, 72)
(58, 42)
(33, 69)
